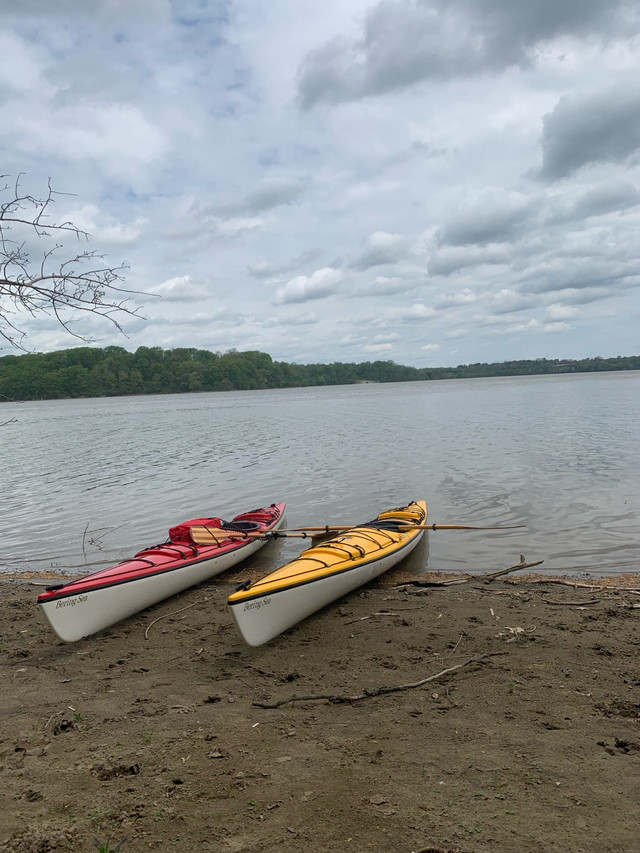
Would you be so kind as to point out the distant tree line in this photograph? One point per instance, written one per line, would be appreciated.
(113, 371)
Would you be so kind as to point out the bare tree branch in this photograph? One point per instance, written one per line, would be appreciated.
(44, 285)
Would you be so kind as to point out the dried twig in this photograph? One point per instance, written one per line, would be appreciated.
(175, 612)
(52, 717)
(386, 613)
(336, 699)
(452, 652)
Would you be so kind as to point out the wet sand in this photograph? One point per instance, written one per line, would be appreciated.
(490, 715)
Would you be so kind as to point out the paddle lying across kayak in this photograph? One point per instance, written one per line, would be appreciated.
(325, 572)
(87, 605)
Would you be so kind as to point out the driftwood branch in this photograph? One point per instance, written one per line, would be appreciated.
(521, 565)
(336, 699)
(594, 587)
(467, 578)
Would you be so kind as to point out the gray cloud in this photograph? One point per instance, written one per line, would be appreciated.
(271, 192)
(579, 272)
(404, 42)
(614, 196)
(446, 260)
(381, 249)
(383, 285)
(266, 269)
(603, 127)
(492, 219)
(147, 11)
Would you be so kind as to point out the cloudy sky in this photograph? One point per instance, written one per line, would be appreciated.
(426, 181)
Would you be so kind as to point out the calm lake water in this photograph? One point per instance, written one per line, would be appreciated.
(85, 483)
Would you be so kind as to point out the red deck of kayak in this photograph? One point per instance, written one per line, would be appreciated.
(165, 557)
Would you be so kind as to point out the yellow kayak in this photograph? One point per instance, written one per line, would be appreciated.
(325, 572)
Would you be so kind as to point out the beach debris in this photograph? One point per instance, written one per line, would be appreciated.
(369, 693)
(174, 613)
(453, 580)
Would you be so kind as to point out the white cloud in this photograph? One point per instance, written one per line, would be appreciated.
(377, 347)
(21, 66)
(302, 288)
(562, 312)
(231, 227)
(183, 288)
(104, 229)
(381, 249)
(414, 313)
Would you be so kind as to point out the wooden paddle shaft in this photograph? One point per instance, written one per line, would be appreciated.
(326, 528)
(208, 535)
(405, 526)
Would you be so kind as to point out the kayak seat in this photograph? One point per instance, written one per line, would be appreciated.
(389, 524)
(240, 526)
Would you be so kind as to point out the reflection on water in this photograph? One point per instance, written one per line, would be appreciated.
(88, 482)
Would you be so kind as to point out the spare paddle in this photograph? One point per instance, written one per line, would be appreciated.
(211, 535)
(208, 535)
(326, 528)
(405, 526)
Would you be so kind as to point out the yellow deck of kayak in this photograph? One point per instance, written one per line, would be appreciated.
(349, 550)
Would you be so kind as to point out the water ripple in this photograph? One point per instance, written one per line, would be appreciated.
(87, 482)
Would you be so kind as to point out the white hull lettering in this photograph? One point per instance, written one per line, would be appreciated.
(71, 602)
(256, 605)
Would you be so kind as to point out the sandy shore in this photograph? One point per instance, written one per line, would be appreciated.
(158, 732)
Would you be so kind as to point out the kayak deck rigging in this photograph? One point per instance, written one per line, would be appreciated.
(359, 545)
(176, 552)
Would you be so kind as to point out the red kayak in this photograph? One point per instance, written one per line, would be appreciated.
(84, 606)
